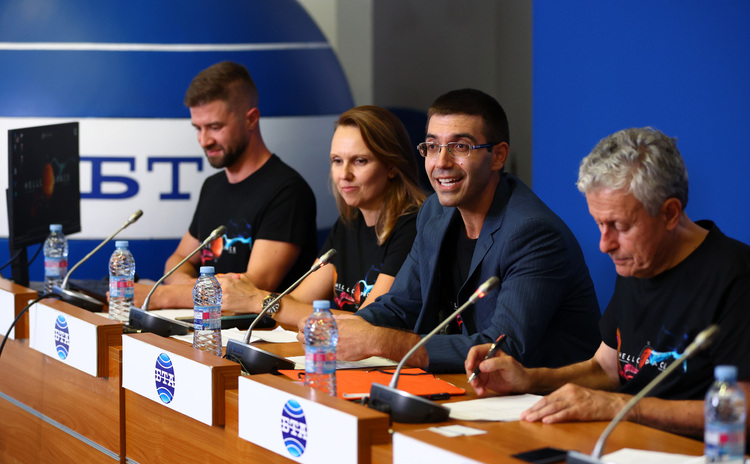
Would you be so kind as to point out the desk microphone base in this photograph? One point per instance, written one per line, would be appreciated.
(405, 407)
(79, 299)
(574, 457)
(146, 322)
(254, 360)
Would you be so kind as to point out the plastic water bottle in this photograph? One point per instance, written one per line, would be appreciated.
(725, 412)
(55, 257)
(321, 338)
(207, 313)
(121, 282)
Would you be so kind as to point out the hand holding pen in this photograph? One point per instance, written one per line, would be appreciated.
(493, 349)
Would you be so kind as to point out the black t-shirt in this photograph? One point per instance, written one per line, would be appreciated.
(274, 203)
(359, 260)
(650, 322)
(455, 261)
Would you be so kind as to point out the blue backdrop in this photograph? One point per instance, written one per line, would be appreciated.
(679, 66)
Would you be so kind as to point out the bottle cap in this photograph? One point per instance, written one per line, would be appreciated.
(725, 372)
(207, 269)
(55, 227)
(121, 244)
(321, 304)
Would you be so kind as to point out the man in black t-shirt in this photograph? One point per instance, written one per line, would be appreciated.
(266, 206)
(675, 278)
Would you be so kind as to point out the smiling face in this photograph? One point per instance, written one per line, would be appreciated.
(360, 177)
(634, 240)
(463, 182)
(221, 132)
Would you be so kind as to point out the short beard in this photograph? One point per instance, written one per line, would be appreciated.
(231, 155)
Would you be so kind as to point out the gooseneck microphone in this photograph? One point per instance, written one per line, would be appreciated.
(320, 262)
(140, 319)
(405, 407)
(81, 299)
(701, 341)
(255, 360)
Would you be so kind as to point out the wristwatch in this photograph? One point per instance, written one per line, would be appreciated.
(267, 300)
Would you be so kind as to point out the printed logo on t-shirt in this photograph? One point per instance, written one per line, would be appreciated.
(629, 364)
(349, 299)
(240, 238)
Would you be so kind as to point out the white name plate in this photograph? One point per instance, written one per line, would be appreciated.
(408, 450)
(64, 337)
(294, 426)
(7, 313)
(171, 380)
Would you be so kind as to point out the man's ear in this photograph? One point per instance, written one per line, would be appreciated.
(251, 118)
(500, 155)
(671, 211)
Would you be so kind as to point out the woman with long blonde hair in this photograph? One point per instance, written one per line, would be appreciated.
(375, 183)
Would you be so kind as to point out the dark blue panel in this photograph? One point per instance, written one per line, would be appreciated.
(150, 256)
(679, 66)
(152, 84)
(149, 21)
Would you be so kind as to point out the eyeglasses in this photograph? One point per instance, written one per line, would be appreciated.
(455, 149)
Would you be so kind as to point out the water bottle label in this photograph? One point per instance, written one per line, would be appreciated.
(202, 319)
(320, 362)
(724, 442)
(121, 287)
(55, 267)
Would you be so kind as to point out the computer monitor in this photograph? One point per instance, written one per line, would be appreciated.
(43, 187)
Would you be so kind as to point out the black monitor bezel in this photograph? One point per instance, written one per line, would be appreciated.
(71, 220)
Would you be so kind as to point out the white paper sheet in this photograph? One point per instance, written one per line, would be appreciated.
(374, 361)
(499, 408)
(451, 431)
(637, 456)
(277, 335)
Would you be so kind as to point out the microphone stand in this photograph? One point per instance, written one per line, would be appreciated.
(81, 299)
(405, 407)
(702, 340)
(142, 320)
(255, 360)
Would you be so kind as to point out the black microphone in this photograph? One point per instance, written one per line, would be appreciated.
(141, 320)
(701, 341)
(255, 360)
(81, 299)
(405, 407)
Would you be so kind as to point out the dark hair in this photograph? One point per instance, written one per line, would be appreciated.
(474, 102)
(226, 81)
(386, 137)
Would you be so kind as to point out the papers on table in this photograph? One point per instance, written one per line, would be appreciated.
(451, 431)
(637, 456)
(374, 361)
(173, 313)
(277, 335)
(499, 408)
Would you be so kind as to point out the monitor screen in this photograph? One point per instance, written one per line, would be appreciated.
(43, 182)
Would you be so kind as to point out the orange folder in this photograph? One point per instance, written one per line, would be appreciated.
(352, 383)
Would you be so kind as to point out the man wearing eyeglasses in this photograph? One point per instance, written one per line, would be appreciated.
(480, 223)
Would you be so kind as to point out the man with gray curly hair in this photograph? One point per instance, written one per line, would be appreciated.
(675, 278)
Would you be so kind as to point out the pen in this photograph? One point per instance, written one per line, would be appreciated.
(493, 349)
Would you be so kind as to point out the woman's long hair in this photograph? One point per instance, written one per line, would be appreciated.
(387, 139)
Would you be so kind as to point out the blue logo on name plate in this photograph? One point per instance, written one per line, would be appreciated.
(294, 428)
(62, 337)
(165, 380)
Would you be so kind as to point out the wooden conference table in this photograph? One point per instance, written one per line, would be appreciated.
(162, 431)
(126, 427)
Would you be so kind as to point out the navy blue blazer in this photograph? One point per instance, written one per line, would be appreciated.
(545, 305)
